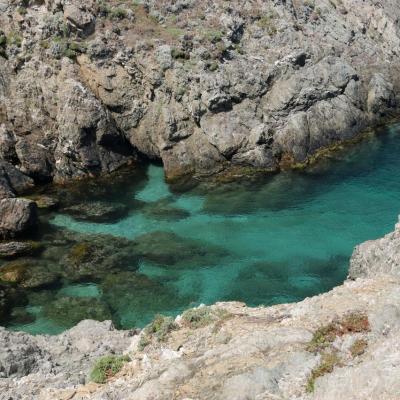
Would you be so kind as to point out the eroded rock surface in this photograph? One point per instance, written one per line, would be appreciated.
(342, 344)
(85, 88)
(17, 216)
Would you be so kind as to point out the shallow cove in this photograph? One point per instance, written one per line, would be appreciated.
(265, 241)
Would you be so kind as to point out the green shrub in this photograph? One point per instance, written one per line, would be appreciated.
(214, 36)
(326, 366)
(106, 367)
(350, 323)
(159, 328)
(14, 39)
(267, 23)
(203, 316)
(198, 317)
(22, 10)
(117, 13)
(358, 347)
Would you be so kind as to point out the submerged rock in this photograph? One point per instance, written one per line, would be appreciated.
(45, 202)
(28, 274)
(97, 255)
(97, 211)
(167, 248)
(163, 210)
(9, 297)
(68, 311)
(17, 216)
(129, 296)
(16, 249)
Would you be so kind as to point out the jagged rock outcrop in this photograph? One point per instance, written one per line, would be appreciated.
(17, 216)
(85, 88)
(342, 344)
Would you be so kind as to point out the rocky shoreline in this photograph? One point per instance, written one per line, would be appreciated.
(86, 88)
(341, 344)
(206, 88)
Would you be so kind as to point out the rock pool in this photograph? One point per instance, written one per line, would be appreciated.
(133, 247)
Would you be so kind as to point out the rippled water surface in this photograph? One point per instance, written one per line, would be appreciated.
(277, 239)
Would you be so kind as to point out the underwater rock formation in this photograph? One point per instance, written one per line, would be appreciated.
(341, 344)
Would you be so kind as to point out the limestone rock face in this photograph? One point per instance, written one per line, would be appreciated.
(86, 87)
(16, 217)
(377, 257)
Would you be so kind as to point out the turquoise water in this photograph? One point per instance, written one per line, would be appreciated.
(265, 241)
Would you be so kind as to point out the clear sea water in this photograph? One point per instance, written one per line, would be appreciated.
(283, 238)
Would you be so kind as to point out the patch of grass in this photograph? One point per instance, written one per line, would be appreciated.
(117, 13)
(351, 323)
(143, 342)
(159, 328)
(178, 54)
(14, 39)
(174, 32)
(358, 347)
(22, 10)
(214, 36)
(267, 23)
(203, 316)
(328, 362)
(107, 367)
(106, 10)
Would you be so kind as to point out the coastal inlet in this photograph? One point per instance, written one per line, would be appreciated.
(131, 247)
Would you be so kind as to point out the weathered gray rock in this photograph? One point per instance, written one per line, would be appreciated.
(17, 216)
(15, 249)
(265, 86)
(377, 257)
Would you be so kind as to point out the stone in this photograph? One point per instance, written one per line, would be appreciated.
(16, 249)
(168, 249)
(97, 211)
(28, 274)
(97, 256)
(68, 311)
(17, 216)
(377, 257)
(189, 87)
(79, 18)
(162, 210)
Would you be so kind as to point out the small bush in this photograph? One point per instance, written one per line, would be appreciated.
(117, 13)
(214, 36)
(159, 329)
(14, 39)
(326, 366)
(203, 316)
(107, 367)
(267, 23)
(22, 10)
(358, 347)
(351, 323)
(198, 317)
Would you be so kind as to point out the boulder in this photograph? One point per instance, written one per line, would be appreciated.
(80, 19)
(16, 249)
(97, 211)
(17, 216)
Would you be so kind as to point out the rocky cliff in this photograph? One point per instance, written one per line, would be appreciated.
(86, 87)
(339, 345)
